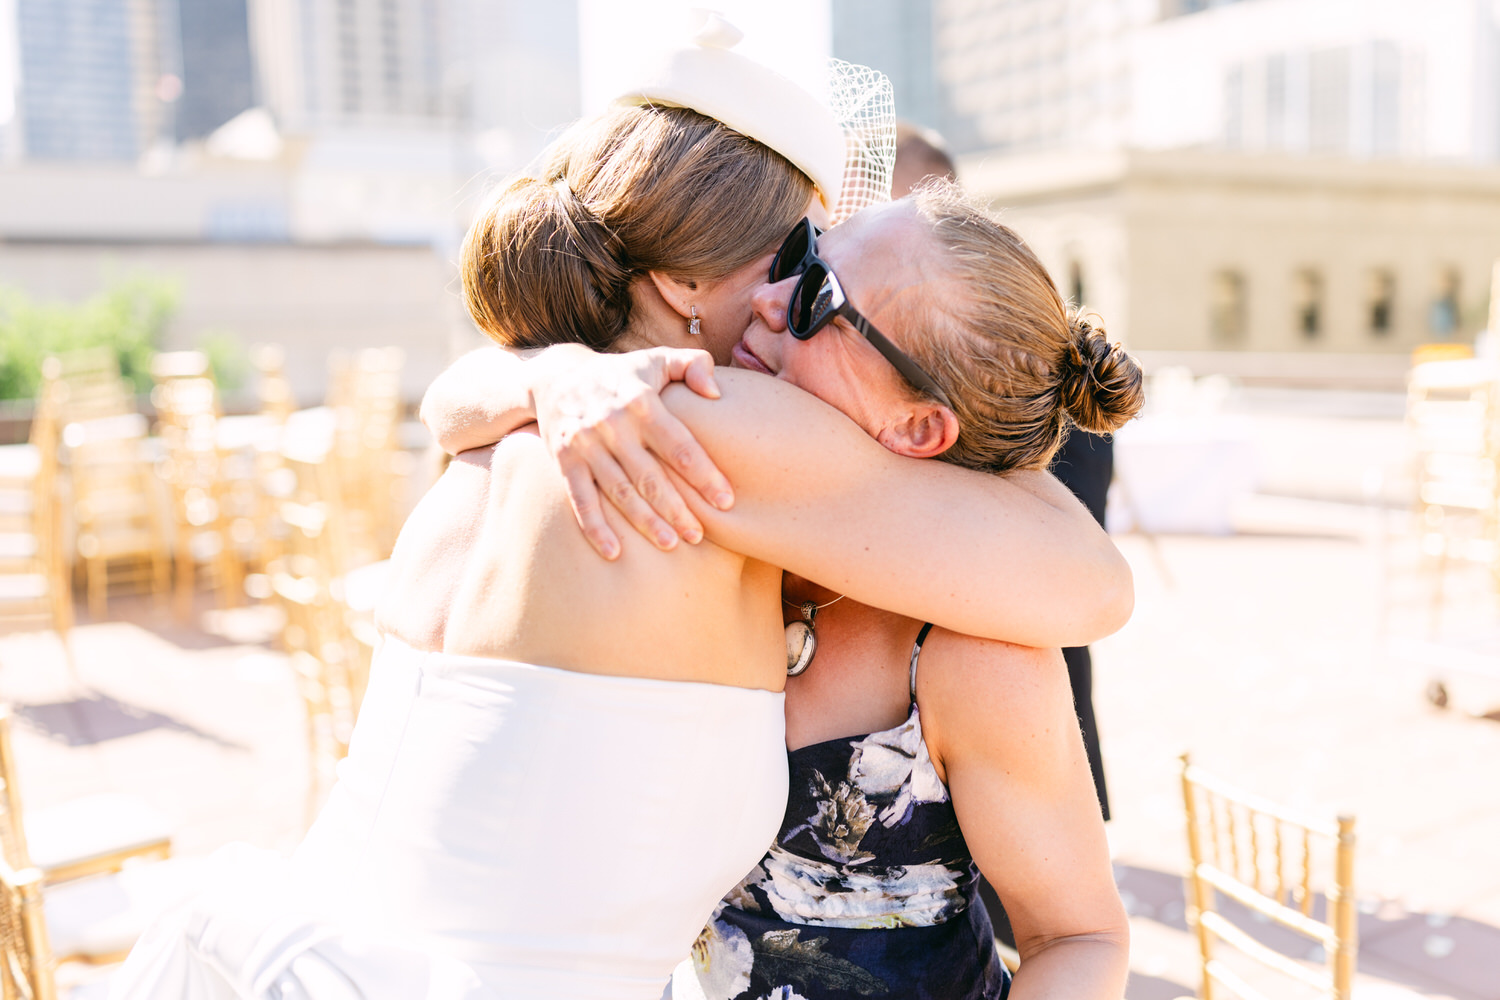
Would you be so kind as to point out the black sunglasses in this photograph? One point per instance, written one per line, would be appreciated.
(818, 298)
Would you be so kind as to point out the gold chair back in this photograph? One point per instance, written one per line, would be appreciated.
(34, 570)
(1263, 856)
(204, 498)
(12, 834)
(365, 393)
(25, 956)
(120, 537)
(1453, 418)
(81, 387)
(85, 385)
(274, 389)
(26, 961)
(329, 653)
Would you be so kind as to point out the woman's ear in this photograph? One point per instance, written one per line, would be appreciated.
(926, 431)
(678, 294)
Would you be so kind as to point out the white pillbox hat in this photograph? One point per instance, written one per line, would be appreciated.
(750, 98)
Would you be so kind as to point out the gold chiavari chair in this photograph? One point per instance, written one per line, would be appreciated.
(1262, 856)
(88, 407)
(211, 520)
(33, 572)
(329, 645)
(95, 903)
(1453, 417)
(119, 535)
(365, 393)
(273, 389)
(25, 951)
(85, 385)
(91, 835)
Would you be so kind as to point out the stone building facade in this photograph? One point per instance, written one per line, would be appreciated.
(1202, 251)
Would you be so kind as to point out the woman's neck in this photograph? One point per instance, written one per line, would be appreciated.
(653, 322)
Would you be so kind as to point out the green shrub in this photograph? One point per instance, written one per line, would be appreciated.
(227, 358)
(127, 317)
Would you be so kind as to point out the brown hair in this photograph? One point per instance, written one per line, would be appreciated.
(551, 258)
(1018, 363)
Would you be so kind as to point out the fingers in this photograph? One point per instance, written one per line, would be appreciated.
(675, 445)
(616, 440)
(695, 369)
(644, 469)
(583, 497)
(628, 493)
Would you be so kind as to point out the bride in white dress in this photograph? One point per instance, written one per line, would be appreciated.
(562, 762)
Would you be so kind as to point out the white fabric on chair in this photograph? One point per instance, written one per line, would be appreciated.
(105, 914)
(91, 827)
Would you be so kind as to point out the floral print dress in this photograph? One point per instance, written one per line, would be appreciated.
(869, 890)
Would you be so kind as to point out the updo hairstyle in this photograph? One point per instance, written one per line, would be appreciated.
(551, 258)
(1019, 364)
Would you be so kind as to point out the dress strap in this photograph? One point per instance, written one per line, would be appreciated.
(916, 651)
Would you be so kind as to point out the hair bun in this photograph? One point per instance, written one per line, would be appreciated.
(1103, 386)
(542, 268)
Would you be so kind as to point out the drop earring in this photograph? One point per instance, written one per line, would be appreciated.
(693, 323)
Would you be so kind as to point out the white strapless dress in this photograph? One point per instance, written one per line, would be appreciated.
(499, 830)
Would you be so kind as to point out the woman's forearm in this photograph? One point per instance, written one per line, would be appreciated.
(488, 393)
(1014, 558)
(1026, 804)
(1086, 967)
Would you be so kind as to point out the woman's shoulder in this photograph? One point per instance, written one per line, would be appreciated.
(986, 694)
(768, 433)
(746, 394)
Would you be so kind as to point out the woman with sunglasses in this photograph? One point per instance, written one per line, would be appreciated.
(562, 762)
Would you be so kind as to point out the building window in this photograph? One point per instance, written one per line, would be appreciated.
(349, 58)
(1075, 283)
(1382, 303)
(1307, 303)
(1234, 108)
(1227, 309)
(1442, 314)
(1328, 101)
(1276, 102)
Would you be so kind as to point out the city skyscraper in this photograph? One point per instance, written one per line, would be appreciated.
(1027, 75)
(217, 75)
(349, 62)
(85, 78)
(1359, 78)
(895, 37)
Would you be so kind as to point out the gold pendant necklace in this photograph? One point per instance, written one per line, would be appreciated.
(802, 636)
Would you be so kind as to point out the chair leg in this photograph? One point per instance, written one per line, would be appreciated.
(161, 577)
(98, 577)
(34, 934)
(231, 579)
(61, 599)
(184, 590)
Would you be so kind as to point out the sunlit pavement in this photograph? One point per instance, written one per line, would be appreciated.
(1267, 654)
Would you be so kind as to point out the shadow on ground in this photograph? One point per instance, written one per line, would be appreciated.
(1427, 952)
(208, 626)
(96, 718)
(1150, 988)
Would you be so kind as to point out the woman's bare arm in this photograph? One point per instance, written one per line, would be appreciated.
(999, 718)
(483, 396)
(1012, 557)
(601, 416)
